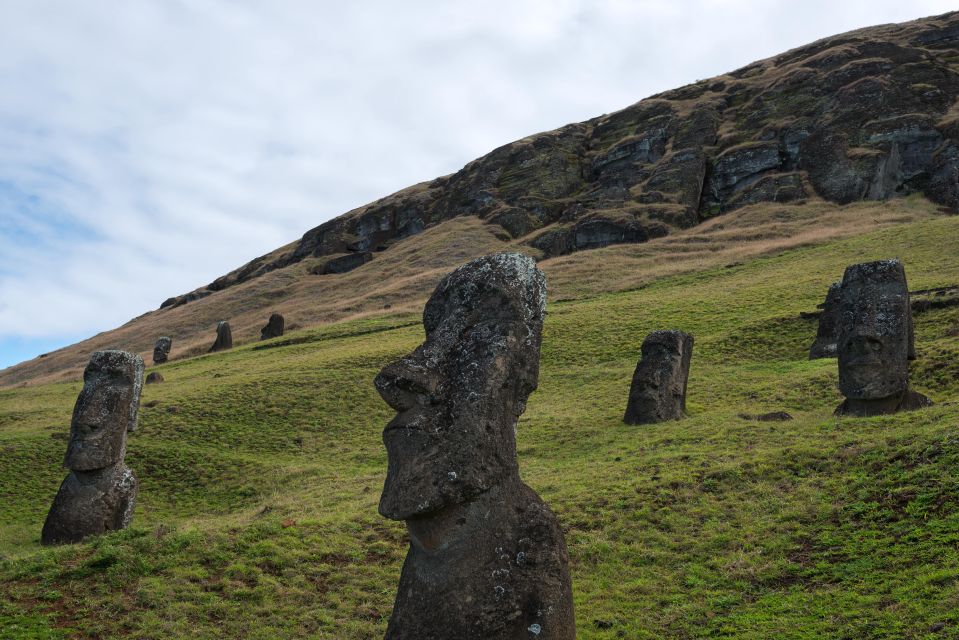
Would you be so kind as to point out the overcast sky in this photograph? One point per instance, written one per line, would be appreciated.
(149, 146)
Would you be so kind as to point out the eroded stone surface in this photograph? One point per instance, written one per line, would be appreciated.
(487, 557)
(105, 410)
(825, 344)
(658, 390)
(224, 337)
(91, 503)
(99, 493)
(875, 340)
(274, 327)
(161, 350)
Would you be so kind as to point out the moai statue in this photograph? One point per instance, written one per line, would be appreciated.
(100, 492)
(487, 557)
(161, 350)
(224, 337)
(875, 341)
(658, 391)
(274, 327)
(825, 344)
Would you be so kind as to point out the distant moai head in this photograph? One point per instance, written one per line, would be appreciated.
(106, 409)
(458, 395)
(875, 334)
(161, 350)
(658, 389)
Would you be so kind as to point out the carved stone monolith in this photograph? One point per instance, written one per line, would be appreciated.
(224, 337)
(487, 557)
(100, 491)
(875, 341)
(825, 344)
(658, 391)
(274, 327)
(161, 350)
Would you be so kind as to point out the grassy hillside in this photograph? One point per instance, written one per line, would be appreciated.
(261, 467)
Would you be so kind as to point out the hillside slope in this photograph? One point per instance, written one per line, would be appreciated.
(867, 115)
(261, 467)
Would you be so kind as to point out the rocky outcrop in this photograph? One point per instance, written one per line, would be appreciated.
(875, 341)
(99, 494)
(346, 263)
(154, 377)
(870, 114)
(487, 557)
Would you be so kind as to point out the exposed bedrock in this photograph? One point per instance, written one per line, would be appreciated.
(868, 115)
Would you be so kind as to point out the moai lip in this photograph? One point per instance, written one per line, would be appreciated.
(487, 557)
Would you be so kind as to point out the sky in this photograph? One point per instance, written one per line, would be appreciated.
(150, 146)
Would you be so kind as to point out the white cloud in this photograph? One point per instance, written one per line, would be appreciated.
(147, 147)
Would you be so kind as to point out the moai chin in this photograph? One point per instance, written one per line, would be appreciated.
(99, 493)
(161, 350)
(875, 341)
(825, 344)
(224, 337)
(487, 558)
(658, 390)
(274, 327)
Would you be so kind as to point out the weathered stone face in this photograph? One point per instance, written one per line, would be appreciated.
(105, 410)
(875, 331)
(274, 327)
(825, 343)
(161, 350)
(658, 390)
(487, 558)
(224, 337)
(458, 395)
(91, 503)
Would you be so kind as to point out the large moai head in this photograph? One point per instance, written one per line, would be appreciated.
(875, 335)
(458, 395)
(658, 390)
(161, 349)
(105, 410)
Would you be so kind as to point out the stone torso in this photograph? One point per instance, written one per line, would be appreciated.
(493, 568)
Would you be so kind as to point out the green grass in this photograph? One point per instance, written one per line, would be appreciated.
(261, 468)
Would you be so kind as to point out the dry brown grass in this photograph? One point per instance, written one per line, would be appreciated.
(401, 278)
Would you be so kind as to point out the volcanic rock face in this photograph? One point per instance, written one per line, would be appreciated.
(875, 340)
(224, 337)
(870, 114)
(274, 327)
(161, 350)
(487, 557)
(658, 391)
(825, 344)
(100, 492)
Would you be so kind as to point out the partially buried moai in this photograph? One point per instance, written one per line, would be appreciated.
(875, 341)
(100, 492)
(274, 327)
(224, 337)
(161, 350)
(658, 390)
(487, 558)
(825, 344)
